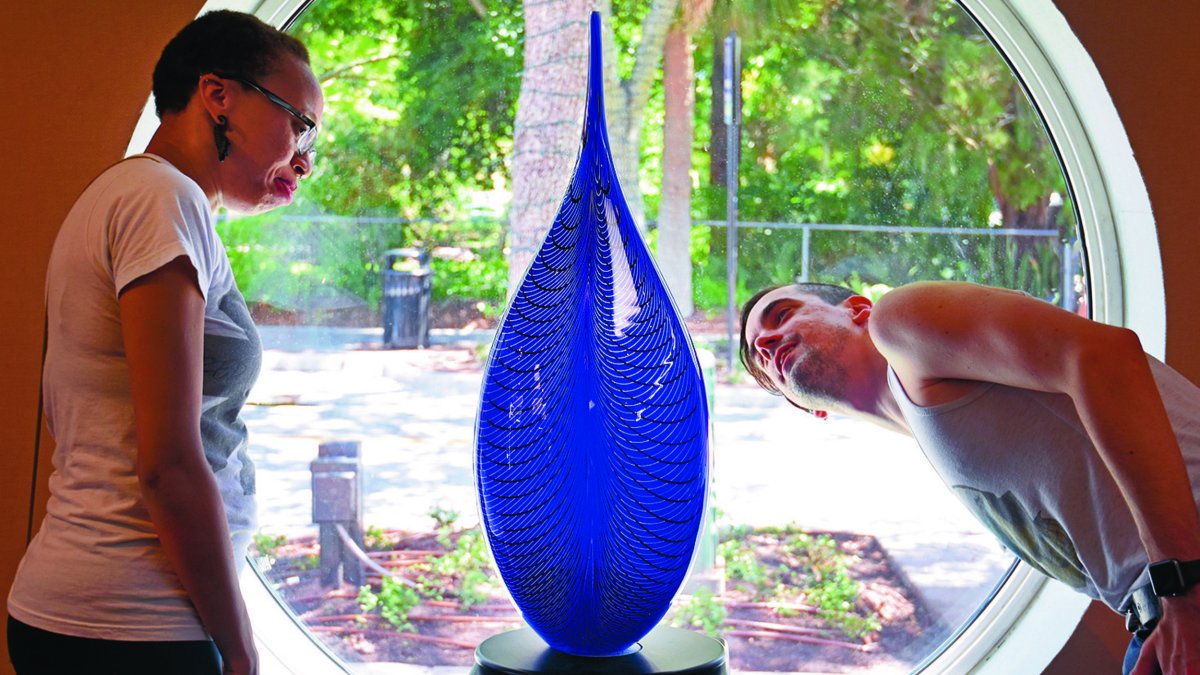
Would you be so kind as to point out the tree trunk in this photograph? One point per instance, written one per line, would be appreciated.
(716, 116)
(674, 214)
(546, 130)
(625, 103)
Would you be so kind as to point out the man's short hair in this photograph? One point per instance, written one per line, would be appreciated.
(218, 42)
(831, 294)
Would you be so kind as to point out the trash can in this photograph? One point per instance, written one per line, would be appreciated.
(407, 286)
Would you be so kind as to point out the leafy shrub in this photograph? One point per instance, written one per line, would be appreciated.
(394, 601)
(703, 610)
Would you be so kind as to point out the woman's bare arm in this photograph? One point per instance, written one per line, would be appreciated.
(162, 323)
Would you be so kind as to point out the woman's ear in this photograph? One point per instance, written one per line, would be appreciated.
(213, 94)
(860, 308)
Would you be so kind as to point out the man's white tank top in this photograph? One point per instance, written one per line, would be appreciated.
(1023, 464)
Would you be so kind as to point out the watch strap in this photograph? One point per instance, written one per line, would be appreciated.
(1173, 577)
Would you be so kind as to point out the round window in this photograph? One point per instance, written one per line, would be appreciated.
(864, 144)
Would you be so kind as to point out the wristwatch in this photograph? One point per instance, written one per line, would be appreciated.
(1173, 577)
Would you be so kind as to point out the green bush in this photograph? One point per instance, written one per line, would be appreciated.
(394, 601)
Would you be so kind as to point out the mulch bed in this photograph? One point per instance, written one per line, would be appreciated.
(783, 635)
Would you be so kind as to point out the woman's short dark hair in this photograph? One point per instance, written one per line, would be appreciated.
(829, 293)
(223, 41)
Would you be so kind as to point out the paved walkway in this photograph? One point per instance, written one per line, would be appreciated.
(772, 466)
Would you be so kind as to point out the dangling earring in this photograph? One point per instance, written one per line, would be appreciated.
(220, 138)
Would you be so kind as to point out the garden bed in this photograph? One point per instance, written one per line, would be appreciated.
(792, 600)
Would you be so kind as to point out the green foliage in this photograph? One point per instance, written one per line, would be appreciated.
(814, 566)
(443, 523)
(483, 278)
(266, 544)
(376, 539)
(879, 113)
(703, 610)
(828, 585)
(743, 567)
(420, 102)
(466, 565)
(394, 601)
(855, 111)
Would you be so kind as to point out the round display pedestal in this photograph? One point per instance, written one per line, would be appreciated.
(664, 651)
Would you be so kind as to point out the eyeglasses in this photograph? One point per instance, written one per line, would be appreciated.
(305, 140)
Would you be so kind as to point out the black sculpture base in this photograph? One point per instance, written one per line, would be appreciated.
(665, 650)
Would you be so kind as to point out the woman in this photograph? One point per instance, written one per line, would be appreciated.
(150, 355)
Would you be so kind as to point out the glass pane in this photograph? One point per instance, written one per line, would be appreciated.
(881, 143)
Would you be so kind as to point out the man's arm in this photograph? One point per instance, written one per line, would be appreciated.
(162, 324)
(934, 332)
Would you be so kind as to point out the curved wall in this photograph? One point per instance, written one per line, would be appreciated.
(72, 104)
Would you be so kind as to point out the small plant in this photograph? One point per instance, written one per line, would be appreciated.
(813, 565)
(466, 567)
(443, 523)
(741, 564)
(703, 610)
(828, 584)
(375, 539)
(308, 562)
(394, 601)
(266, 544)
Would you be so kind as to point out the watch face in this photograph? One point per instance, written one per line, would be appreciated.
(1166, 578)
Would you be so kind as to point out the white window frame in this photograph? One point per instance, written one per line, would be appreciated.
(1029, 618)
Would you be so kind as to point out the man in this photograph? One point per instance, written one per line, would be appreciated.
(1050, 428)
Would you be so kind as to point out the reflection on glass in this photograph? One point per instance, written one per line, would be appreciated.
(881, 143)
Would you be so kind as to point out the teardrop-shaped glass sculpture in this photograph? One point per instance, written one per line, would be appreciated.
(591, 456)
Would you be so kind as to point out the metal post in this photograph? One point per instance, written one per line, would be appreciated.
(337, 501)
(733, 119)
(805, 253)
(1068, 277)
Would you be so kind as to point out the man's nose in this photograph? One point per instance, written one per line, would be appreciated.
(766, 344)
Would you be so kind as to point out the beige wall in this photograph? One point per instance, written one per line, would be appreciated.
(1150, 61)
(76, 74)
(75, 77)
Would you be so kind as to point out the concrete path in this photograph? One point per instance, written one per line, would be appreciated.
(772, 466)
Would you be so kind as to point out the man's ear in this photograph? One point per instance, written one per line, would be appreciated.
(860, 308)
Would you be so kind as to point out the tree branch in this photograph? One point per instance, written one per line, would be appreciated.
(327, 76)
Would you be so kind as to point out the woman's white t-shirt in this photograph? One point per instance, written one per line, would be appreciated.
(96, 568)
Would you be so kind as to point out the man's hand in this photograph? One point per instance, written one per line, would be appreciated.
(1174, 646)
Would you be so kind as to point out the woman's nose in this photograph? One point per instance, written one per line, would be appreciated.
(302, 164)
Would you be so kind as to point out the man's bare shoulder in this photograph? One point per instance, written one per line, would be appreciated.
(921, 328)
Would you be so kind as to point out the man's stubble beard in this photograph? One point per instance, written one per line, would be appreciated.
(819, 379)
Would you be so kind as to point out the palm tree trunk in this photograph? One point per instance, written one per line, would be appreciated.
(625, 103)
(674, 215)
(547, 125)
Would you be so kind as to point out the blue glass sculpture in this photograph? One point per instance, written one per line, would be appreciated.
(592, 439)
